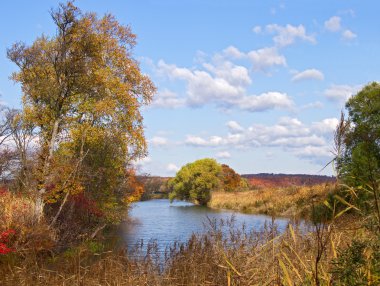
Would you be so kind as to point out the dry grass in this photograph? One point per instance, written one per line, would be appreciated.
(17, 213)
(289, 201)
(223, 255)
(15, 210)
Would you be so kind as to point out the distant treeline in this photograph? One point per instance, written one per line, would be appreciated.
(285, 180)
(156, 186)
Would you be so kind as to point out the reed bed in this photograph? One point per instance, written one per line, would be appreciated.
(222, 255)
(287, 201)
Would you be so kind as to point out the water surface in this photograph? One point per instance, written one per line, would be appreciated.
(165, 222)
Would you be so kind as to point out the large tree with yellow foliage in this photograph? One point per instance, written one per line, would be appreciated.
(79, 86)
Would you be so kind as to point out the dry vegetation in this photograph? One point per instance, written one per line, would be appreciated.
(223, 255)
(290, 201)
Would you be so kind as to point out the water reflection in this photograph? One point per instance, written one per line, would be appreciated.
(165, 222)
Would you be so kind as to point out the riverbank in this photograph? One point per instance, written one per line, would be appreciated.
(285, 202)
(235, 257)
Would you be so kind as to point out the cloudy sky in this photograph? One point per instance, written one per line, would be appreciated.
(258, 85)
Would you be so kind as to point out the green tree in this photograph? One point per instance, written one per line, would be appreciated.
(358, 160)
(81, 81)
(195, 181)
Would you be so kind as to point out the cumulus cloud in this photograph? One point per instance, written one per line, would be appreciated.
(167, 99)
(303, 140)
(223, 84)
(261, 59)
(348, 35)
(264, 58)
(199, 141)
(172, 168)
(234, 127)
(287, 35)
(308, 74)
(265, 101)
(333, 24)
(233, 74)
(158, 141)
(341, 93)
(223, 155)
(327, 125)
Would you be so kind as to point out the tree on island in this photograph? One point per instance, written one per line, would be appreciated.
(195, 181)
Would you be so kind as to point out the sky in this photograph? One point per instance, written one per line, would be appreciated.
(258, 85)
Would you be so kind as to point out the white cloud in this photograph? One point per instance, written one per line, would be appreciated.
(308, 141)
(327, 125)
(167, 99)
(203, 87)
(233, 52)
(333, 24)
(233, 74)
(308, 74)
(234, 127)
(287, 35)
(158, 141)
(261, 59)
(348, 35)
(265, 101)
(264, 58)
(200, 142)
(341, 92)
(223, 155)
(223, 84)
(172, 168)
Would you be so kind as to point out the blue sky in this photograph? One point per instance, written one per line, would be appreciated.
(258, 85)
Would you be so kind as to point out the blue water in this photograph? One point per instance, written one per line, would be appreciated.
(165, 222)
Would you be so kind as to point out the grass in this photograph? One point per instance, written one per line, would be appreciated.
(340, 251)
(289, 201)
(223, 255)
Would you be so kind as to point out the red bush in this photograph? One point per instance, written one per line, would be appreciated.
(4, 238)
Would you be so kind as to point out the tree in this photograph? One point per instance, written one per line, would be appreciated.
(358, 161)
(81, 81)
(230, 179)
(195, 181)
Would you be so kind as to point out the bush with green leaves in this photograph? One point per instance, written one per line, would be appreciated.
(195, 181)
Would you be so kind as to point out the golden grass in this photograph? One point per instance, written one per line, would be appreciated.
(17, 213)
(289, 201)
(224, 255)
(15, 210)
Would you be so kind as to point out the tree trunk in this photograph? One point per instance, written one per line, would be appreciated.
(99, 228)
(46, 172)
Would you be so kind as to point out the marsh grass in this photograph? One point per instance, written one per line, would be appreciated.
(286, 201)
(222, 255)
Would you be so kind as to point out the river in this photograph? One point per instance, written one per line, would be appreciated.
(165, 222)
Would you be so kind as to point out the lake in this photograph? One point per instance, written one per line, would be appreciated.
(165, 222)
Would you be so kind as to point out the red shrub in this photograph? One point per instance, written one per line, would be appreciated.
(4, 238)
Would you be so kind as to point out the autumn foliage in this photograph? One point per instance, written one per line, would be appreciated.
(82, 93)
(4, 239)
